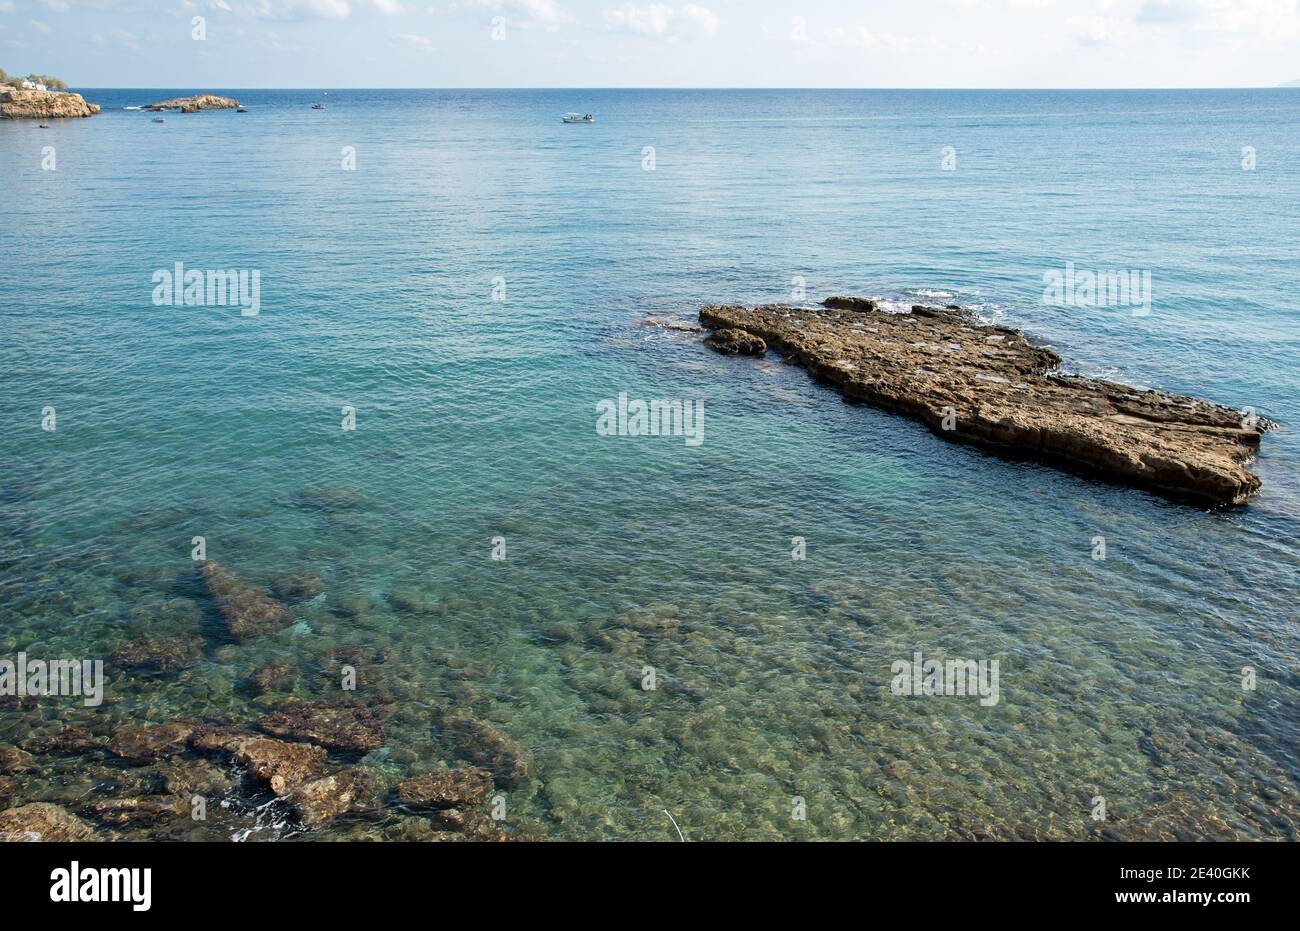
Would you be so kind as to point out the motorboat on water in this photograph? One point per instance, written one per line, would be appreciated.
(318, 106)
(578, 118)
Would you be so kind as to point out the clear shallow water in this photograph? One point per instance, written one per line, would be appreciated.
(1119, 678)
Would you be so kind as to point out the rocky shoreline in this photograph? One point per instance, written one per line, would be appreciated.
(990, 387)
(43, 105)
(295, 769)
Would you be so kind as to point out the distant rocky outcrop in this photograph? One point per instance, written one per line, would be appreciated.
(195, 104)
(42, 105)
(989, 386)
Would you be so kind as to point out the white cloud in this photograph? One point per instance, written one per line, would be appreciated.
(40, 26)
(701, 18)
(647, 21)
(526, 13)
(6, 6)
(1168, 11)
(56, 6)
(659, 19)
(864, 38)
(1268, 20)
(1099, 30)
(411, 40)
(292, 10)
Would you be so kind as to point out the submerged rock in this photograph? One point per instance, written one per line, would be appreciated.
(486, 746)
(356, 655)
(450, 789)
(187, 777)
(142, 744)
(660, 619)
(330, 499)
(14, 761)
(71, 739)
(280, 764)
(209, 738)
(169, 655)
(138, 811)
(326, 798)
(41, 821)
(248, 610)
(465, 821)
(473, 825)
(273, 677)
(669, 324)
(734, 341)
(989, 386)
(298, 586)
(412, 602)
(339, 724)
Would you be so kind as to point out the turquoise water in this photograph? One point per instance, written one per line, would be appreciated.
(1120, 678)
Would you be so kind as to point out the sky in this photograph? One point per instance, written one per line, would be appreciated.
(630, 43)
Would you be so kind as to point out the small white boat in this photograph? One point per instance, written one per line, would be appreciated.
(578, 118)
(318, 106)
(158, 119)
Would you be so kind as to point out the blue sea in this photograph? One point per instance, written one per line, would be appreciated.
(470, 278)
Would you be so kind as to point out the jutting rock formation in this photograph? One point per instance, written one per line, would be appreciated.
(987, 385)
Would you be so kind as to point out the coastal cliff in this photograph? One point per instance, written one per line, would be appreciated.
(987, 385)
(18, 104)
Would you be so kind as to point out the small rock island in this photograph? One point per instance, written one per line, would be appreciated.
(989, 386)
(194, 104)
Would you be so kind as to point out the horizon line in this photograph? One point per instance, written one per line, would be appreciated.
(318, 87)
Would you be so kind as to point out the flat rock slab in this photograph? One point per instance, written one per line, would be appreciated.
(989, 386)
